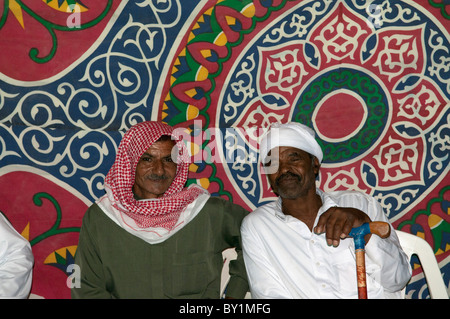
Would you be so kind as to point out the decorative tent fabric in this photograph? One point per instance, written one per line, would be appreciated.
(371, 77)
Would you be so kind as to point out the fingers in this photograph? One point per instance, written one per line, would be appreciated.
(332, 225)
(335, 229)
(323, 220)
(320, 227)
(337, 222)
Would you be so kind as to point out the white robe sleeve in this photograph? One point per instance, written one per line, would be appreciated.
(16, 262)
(263, 279)
(391, 267)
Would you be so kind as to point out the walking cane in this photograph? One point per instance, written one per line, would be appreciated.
(381, 229)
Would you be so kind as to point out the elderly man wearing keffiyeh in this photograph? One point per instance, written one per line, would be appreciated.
(150, 236)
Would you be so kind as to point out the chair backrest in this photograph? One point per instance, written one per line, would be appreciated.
(228, 255)
(414, 245)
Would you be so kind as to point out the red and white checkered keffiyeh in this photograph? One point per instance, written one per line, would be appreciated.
(159, 212)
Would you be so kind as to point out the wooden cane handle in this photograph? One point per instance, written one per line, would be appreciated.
(381, 229)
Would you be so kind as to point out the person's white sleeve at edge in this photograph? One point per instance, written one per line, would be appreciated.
(16, 262)
(395, 270)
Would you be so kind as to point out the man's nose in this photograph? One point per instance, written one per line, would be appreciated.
(158, 167)
(283, 167)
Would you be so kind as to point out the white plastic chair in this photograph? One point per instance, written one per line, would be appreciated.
(228, 255)
(414, 245)
(411, 244)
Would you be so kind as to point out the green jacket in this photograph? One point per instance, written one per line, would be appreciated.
(117, 264)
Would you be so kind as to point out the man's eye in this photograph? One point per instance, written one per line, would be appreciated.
(271, 163)
(295, 157)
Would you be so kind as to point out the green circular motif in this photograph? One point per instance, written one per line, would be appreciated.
(369, 91)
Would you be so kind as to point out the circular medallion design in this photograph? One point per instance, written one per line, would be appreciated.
(339, 116)
(340, 63)
(361, 90)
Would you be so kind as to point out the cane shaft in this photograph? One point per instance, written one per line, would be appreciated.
(361, 273)
(381, 229)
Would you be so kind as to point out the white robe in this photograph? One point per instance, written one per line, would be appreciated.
(16, 262)
(284, 259)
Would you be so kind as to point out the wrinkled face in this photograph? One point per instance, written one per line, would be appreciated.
(155, 170)
(296, 172)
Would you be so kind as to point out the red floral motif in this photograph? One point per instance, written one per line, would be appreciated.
(49, 40)
(49, 216)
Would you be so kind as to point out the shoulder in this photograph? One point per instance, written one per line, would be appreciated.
(357, 199)
(221, 204)
(10, 235)
(261, 215)
(99, 228)
(94, 216)
(93, 211)
(350, 196)
(266, 209)
(216, 200)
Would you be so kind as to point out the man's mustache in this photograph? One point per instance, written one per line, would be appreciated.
(287, 175)
(155, 177)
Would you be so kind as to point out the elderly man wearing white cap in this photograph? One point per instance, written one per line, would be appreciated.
(296, 246)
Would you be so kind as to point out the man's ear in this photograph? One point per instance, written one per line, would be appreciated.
(315, 165)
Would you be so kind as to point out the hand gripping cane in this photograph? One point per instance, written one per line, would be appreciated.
(381, 229)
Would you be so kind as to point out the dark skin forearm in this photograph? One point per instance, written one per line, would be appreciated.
(337, 222)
